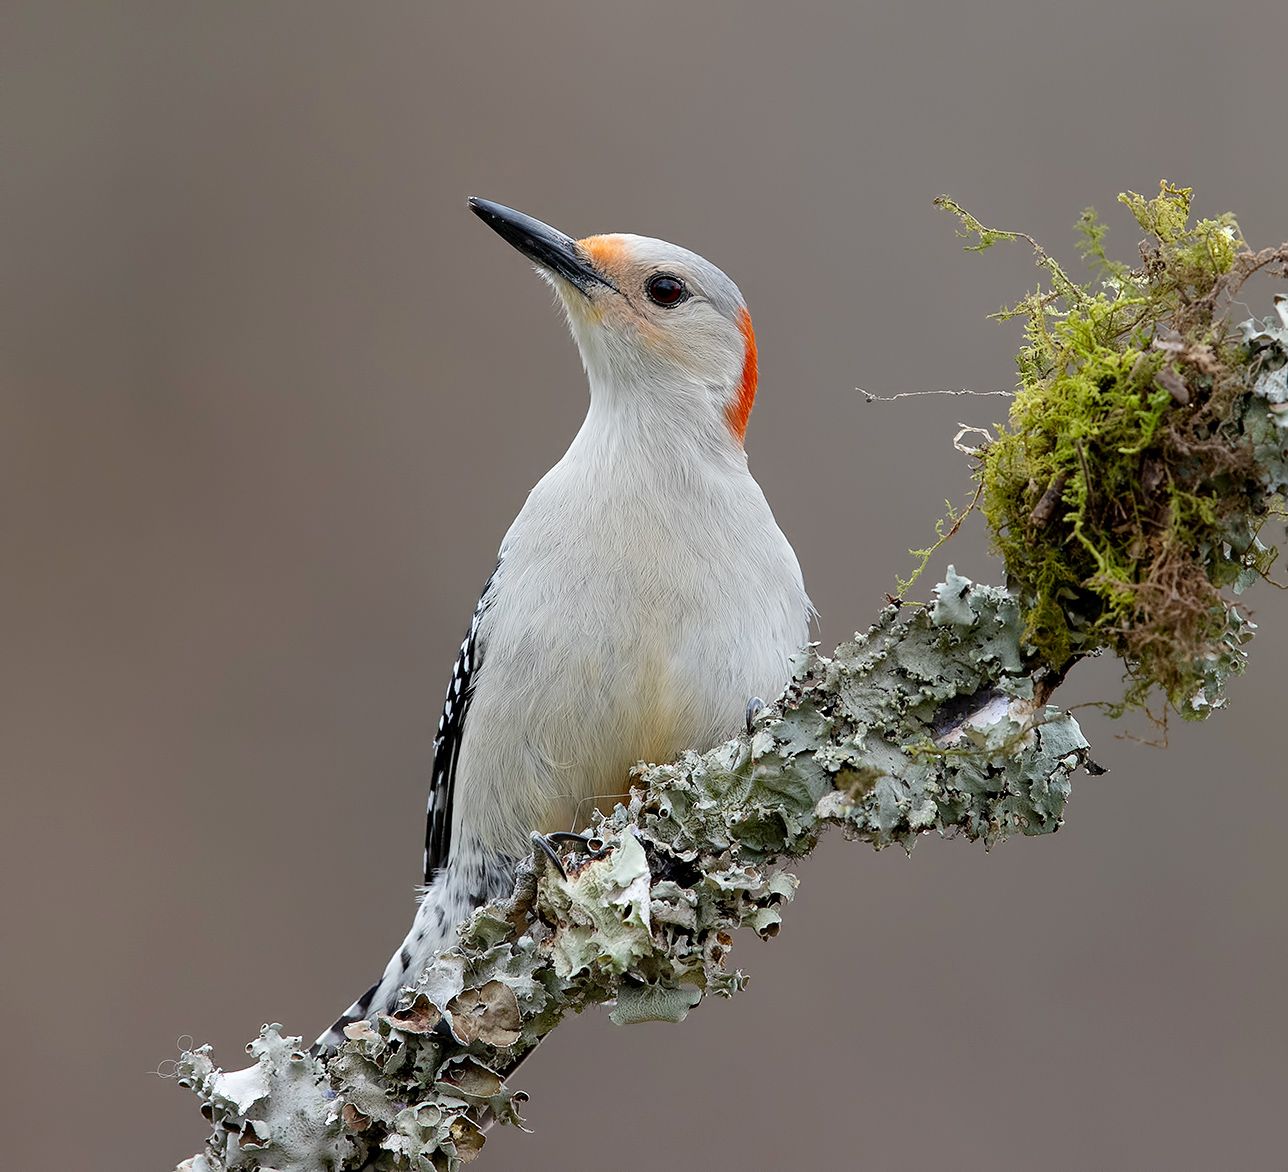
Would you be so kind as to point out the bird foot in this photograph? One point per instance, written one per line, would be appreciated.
(545, 843)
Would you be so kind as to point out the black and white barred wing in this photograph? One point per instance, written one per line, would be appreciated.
(447, 743)
(443, 905)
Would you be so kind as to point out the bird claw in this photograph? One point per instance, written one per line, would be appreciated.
(545, 844)
(754, 707)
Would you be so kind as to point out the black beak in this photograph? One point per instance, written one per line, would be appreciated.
(540, 243)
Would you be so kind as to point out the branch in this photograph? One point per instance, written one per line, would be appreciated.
(936, 719)
(926, 723)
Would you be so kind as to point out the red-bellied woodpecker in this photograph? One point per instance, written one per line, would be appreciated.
(642, 595)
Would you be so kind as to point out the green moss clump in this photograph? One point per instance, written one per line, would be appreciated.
(1125, 492)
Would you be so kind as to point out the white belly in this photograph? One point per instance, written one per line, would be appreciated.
(582, 675)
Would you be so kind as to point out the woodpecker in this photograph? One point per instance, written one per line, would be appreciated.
(642, 595)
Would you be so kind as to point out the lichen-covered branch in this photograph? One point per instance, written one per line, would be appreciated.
(1149, 438)
(925, 723)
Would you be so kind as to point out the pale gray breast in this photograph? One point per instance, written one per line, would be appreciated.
(621, 630)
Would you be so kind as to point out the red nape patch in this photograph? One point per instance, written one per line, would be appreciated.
(738, 412)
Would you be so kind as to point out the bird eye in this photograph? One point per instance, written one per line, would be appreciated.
(665, 290)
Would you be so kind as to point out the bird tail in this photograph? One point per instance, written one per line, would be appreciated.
(449, 898)
(432, 930)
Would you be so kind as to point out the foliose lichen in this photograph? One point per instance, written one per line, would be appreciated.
(925, 723)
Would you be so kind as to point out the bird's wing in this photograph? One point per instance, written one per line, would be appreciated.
(447, 744)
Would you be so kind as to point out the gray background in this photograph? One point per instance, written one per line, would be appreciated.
(271, 397)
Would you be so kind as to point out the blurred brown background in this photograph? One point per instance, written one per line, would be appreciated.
(271, 397)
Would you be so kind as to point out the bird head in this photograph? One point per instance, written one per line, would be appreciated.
(660, 329)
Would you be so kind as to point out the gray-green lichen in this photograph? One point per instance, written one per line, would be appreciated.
(927, 722)
(1266, 419)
